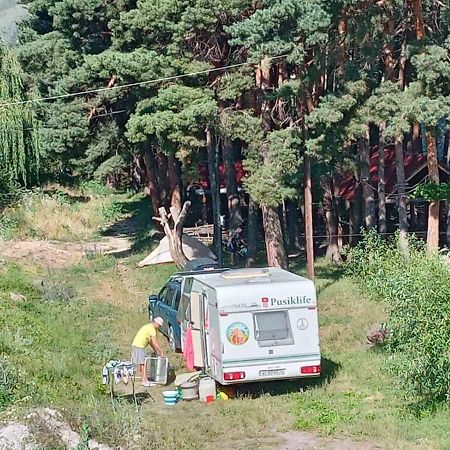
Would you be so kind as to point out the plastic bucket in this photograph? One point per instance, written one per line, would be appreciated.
(170, 397)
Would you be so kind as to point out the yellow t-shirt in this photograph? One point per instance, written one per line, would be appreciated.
(143, 336)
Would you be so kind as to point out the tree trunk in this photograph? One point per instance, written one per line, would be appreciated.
(433, 208)
(342, 31)
(163, 180)
(368, 192)
(273, 233)
(213, 183)
(173, 228)
(234, 205)
(401, 187)
(292, 225)
(174, 180)
(276, 254)
(309, 231)
(356, 215)
(332, 226)
(388, 49)
(151, 184)
(381, 182)
(418, 18)
(252, 232)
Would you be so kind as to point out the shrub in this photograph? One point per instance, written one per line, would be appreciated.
(417, 291)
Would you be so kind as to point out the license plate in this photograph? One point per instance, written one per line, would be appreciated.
(271, 373)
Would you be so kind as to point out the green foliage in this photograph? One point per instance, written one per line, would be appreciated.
(273, 167)
(175, 118)
(19, 133)
(432, 191)
(416, 289)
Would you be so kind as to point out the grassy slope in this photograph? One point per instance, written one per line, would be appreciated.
(60, 346)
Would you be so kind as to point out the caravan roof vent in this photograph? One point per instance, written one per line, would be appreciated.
(245, 273)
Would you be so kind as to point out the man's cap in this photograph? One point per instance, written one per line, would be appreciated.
(159, 321)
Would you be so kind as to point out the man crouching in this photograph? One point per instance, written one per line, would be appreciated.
(144, 337)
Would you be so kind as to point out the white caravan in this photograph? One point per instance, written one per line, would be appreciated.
(252, 324)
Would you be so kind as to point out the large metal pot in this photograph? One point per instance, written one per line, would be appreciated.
(189, 390)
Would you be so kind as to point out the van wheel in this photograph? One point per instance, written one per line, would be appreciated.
(172, 343)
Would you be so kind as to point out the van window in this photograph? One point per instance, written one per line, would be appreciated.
(273, 328)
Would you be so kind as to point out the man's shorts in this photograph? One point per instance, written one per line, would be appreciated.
(138, 356)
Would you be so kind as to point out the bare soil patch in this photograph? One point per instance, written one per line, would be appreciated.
(60, 254)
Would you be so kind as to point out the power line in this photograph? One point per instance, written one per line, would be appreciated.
(139, 83)
(52, 128)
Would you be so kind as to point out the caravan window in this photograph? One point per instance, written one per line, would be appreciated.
(272, 328)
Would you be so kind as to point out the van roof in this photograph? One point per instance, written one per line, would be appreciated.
(241, 277)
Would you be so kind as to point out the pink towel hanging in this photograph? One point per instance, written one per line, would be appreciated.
(189, 350)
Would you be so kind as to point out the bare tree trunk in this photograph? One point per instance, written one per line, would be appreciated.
(332, 227)
(433, 208)
(234, 205)
(174, 180)
(173, 228)
(276, 254)
(309, 231)
(368, 192)
(401, 187)
(381, 182)
(152, 184)
(252, 232)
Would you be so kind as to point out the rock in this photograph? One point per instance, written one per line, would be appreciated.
(16, 436)
(53, 422)
(15, 297)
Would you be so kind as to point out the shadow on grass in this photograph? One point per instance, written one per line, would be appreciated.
(141, 397)
(137, 226)
(274, 388)
(68, 198)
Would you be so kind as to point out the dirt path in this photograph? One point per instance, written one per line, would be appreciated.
(303, 440)
(61, 254)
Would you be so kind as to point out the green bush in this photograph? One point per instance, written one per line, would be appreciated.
(417, 291)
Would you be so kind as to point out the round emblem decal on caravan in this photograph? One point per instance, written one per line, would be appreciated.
(238, 333)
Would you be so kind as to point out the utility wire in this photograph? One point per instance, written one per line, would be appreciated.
(138, 83)
(52, 128)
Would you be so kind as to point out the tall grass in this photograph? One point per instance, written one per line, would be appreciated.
(61, 214)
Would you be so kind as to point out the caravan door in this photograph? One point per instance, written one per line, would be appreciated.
(196, 308)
